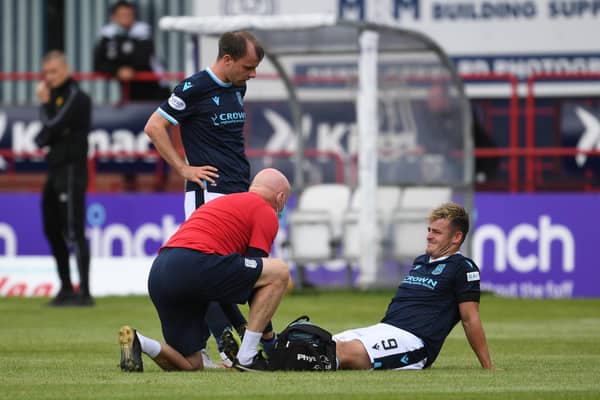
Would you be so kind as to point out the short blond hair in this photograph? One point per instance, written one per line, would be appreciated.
(456, 214)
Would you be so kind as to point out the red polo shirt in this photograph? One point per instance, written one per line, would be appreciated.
(229, 224)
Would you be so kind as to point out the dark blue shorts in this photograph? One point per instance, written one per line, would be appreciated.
(181, 284)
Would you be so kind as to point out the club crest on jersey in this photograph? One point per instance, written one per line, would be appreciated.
(239, 98)
(438, 270)
(176, 102)
(249, 263)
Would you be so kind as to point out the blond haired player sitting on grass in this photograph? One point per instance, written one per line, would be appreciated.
(441, 289)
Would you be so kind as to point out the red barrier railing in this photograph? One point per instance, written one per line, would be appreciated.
(513, 113)
(159, 170)
(530, 120)
(310, 153)
(514, 152)
(534, 153)
(11, 157)
(118, 155)
(95, 76)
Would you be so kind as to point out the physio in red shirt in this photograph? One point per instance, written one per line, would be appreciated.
(229, 224)
(220, 253)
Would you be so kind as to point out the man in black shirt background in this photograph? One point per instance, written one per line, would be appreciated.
(125, 47)
(65, 114)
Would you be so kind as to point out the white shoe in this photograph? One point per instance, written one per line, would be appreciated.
(225, 361)
(207, 361)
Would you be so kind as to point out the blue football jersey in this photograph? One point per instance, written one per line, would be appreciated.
(426, 302)
(211, 116)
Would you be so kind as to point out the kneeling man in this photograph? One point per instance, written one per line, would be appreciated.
(220, 253)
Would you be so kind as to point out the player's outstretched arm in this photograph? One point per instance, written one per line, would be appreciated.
(469, 314)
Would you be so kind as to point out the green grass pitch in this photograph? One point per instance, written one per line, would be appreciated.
(544, 349)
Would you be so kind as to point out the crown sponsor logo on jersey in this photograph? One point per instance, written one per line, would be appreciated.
(187, 85)
(250, 263)
(176, 102)
(420, 281)
(239, 98)
(228, 118)
(438, 270)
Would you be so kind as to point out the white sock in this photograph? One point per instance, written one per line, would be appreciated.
(249, 347)
(149, 346)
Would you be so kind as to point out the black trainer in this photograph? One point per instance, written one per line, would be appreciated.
(63, 298)
(83, 300)
(231, 342)
(259, 364)
(267, 346)
(131, 350)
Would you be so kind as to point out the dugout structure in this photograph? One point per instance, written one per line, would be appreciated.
(413, 120)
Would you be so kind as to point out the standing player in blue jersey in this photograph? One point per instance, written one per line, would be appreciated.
(441, 289)
(209, 108)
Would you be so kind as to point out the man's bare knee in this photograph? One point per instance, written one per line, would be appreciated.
(283, 273)
(275, 271)
(352, 355)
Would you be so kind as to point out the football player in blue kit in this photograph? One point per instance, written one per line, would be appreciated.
(209, 108)
(441, 289)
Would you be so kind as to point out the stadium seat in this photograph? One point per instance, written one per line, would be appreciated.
(388, 198)
(409, 220)
(316, 224)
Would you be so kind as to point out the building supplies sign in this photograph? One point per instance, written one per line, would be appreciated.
(518, 37)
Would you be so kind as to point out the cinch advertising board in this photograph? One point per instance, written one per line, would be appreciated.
(541, 246)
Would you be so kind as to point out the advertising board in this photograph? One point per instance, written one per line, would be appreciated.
(540, 246)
